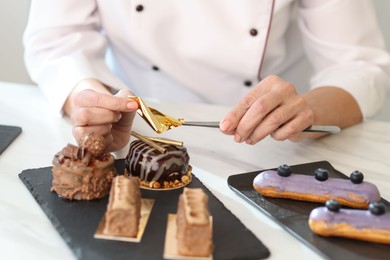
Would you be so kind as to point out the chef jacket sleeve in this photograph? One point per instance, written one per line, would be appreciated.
(64, 44)
(343, 41)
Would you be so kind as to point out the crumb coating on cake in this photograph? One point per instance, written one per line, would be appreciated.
(79, 174)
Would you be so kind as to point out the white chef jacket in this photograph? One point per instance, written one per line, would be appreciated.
(210, 51)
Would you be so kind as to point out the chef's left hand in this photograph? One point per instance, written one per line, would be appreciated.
(273, 107)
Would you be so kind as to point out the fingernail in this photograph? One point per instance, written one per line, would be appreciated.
(225, 125)
(237, 138)
(119, 117)
(248, 141)
(132, 105)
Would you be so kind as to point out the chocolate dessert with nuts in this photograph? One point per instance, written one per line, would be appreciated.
(83, 172)
(124, 207)
(156, 169)
(193, 225)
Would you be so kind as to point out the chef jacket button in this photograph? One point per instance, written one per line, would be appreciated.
(253, 32)
(139, 8)
(248, 83)
(155, 68)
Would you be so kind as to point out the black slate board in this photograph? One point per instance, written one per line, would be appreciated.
(77, 221)
(8, 135)
(293, 216)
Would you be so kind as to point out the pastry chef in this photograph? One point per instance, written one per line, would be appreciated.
(242, 54)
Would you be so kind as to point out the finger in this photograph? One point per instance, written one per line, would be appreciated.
(259, 133)
(232, 119)
(120, 137)
(285, 111)
(109, 142)
(127, 117)
(90, 98)
(259, 110)
(290, 129)
(80, 131)
(293, 129)
(281, 119)
(85, 116)
(305, 135)
(125, 93)
(230, 122)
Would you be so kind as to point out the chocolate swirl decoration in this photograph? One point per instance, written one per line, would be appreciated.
(91, 147)
(147, 163)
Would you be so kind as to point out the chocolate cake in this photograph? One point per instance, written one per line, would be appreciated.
(193, 225)
(158, 170)
(83, 172)
(124, 207)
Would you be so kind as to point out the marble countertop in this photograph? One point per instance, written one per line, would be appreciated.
(26, 232)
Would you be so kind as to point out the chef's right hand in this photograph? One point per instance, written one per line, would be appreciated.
(95, 109)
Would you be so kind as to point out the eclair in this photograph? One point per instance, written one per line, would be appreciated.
(282, 183)
(371, 224)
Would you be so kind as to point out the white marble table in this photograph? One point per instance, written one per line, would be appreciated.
(26, 232)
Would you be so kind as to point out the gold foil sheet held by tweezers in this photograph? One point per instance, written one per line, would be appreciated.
(160, 122)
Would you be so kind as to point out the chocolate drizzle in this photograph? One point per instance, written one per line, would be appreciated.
(150, 165)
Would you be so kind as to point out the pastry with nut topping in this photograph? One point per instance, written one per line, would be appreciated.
(158, 170)
(124, 207)
(193, 224)
(83, 172)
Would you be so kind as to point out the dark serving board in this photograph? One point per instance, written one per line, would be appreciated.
(8, 135)
(77, 221)
(293, 216)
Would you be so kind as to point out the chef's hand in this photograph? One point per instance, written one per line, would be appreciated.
(108, 115)
(272, 107)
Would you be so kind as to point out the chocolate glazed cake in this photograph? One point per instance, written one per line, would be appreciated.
(158, 170)
(85, 172)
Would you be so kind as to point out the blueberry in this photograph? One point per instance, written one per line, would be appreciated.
(377, 208)
(357, 177)
(321, 174)
(284, 170)
(332, 205)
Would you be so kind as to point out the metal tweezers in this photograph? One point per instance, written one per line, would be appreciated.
(314, 128)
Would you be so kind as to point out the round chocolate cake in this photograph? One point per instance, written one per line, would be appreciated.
(158, 170)
(83, 172)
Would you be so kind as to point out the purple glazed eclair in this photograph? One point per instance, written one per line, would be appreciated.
(369, 225)
(282, 183)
